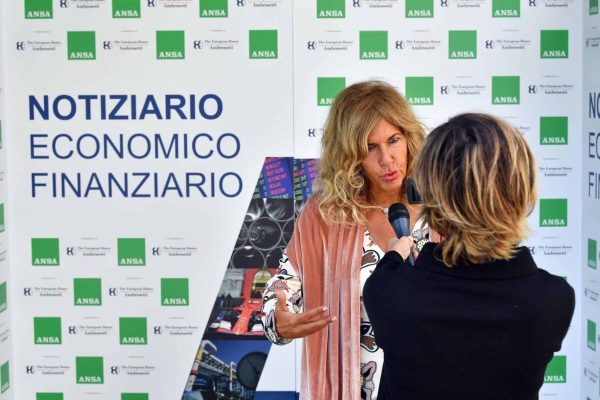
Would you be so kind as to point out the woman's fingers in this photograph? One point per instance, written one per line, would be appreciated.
(403, 246)
(313, 314)
(315, 326)
(291, 325)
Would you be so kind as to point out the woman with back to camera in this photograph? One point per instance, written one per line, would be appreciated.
(369, 145)
(474, 318)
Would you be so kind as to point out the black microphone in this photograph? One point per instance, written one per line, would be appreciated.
(400, 221)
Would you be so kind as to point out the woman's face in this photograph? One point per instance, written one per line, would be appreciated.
(386, 162)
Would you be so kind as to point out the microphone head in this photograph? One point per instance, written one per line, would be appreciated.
(396, 211)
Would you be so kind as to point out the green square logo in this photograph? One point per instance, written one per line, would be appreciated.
(135, 396)
(131, 252)
(592, 259)
(554, 44)
(133, 330)
(419, 90)
(554, 131)
(506, 8)
(556, 371)
(593, 7)
(328, 88)
(4, 378)
(38, 9)
(331, 8)
(174, 292)
(3, 298)
(373, 45)
(591, 335)
(47, 330)
(49, 396)
(213, 8)
(263, 44)
(126, 9)
(170, 45)
(419, 9)
(506, 90)
(553, 213)
(1, 217)
(87, 291)
(81, 45)
(45, 252)
(90, 370)
(462, 45)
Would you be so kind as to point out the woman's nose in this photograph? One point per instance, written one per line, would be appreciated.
(385, 156)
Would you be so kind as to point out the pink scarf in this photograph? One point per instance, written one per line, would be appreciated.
(328, 260)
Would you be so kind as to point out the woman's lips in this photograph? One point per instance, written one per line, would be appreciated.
(390, 176)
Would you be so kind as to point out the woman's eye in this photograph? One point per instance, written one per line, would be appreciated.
(371, 147)
(395, 139)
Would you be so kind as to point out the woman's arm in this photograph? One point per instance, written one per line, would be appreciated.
(284, 317)
(286, 281)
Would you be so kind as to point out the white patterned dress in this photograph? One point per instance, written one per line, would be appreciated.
(287, 280)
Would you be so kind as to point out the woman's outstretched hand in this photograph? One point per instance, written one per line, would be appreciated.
(292, 325)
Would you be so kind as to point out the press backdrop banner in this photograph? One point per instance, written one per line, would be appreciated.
(154, 155)
(591, 203)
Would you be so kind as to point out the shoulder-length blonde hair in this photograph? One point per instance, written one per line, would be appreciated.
(355, 112)
(476, 176)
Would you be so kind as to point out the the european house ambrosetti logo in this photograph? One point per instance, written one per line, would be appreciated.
(4, 377)
(373, 45)
(133, 330)
(170, 45)
(593, 7)
(49, 396)
(213, 8)
(47, 330)
(131, 252)
(81, 45)
(38, 9)
(419, 9)
(553, 213)
(87, 291)
(506, 90)
(89, 370)
(462, 45)
(592, 258)
(506, 8)
(554, 130)
(263, 44)
(3, 297)
(419, 90)
(328, 88)
(135, 396)
(174, 292)
(126, 9)
(591, 335)
(45, 252)
(556, 371)
(554, 44)
(331, 8)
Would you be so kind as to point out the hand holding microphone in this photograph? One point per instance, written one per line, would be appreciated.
(405, 246)
(400, 220)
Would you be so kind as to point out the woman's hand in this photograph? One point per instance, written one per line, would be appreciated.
(291, 325)
(403, 246)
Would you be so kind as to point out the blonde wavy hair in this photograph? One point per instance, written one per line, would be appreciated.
(477, 178)
(341, 188)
